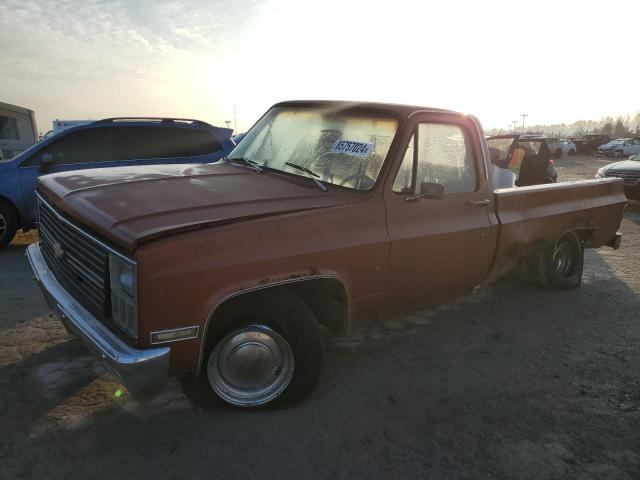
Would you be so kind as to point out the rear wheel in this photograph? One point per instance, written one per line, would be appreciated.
(620, 154)
(8, 224)
(558, 153)
(572, 152)
(560, 266)
(267, 349)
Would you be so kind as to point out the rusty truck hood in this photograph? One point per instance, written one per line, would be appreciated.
(131, 205)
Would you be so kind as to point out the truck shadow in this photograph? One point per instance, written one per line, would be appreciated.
(473, 383)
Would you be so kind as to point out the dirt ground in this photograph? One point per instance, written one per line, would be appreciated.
(512, 382)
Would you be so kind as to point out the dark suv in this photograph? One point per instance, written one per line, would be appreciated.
(105, 143)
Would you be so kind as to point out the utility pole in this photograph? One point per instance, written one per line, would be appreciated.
(513, 125)
(524, 115)
(235, 120)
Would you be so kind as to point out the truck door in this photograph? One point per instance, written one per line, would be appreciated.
(440, 247)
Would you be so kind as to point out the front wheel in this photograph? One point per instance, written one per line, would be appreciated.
(620, 154)
(560, 266)
(572, 152)
(558, 153)
(267, 349)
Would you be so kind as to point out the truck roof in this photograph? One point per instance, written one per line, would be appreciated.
(395, 108)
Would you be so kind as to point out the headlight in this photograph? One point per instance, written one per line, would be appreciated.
(124, 308)
(601, 172)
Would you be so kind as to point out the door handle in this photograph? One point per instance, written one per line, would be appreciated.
(480, 203)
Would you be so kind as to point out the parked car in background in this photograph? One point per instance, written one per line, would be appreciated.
(327, 214)
(620, 147)
(559, 147)
(629, 171)
(105, 143)
(18, 130)
(588, 144)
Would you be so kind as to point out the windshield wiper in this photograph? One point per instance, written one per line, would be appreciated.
(250, 163)
(312, 175)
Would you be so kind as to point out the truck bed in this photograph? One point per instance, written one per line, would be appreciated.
(532, 217)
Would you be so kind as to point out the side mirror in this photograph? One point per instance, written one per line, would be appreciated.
(46, 162)
(428, 190)
(432, 190)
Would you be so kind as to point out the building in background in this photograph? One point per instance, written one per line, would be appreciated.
(18, 130)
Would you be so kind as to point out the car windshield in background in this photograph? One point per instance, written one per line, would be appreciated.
(531, 146)
(499, 148)
(346, 148)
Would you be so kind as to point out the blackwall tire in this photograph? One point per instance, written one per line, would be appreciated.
(264, 351)
(560, 266)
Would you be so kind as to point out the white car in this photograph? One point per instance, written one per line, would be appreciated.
(559, 147)
(621, 147)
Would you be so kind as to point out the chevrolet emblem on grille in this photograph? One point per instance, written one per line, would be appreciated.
(58, 251)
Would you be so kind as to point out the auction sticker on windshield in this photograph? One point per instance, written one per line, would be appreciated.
(358, 149)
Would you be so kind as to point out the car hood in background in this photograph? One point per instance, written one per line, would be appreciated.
(131, 205)
(624, 165)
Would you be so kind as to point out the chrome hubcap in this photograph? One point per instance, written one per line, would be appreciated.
(3, 225)
(250, 366)
(563, 259)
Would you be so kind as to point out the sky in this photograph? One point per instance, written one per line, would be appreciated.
(557, 61)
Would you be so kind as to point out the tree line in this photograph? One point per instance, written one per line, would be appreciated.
(622, 126)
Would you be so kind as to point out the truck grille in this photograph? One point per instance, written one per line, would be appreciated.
(629, 176)
(79, 262)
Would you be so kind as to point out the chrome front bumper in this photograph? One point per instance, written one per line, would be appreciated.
(139, 370)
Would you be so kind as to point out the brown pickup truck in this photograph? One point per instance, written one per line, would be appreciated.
(327, 214)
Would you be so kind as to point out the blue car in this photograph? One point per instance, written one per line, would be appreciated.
(105, 143)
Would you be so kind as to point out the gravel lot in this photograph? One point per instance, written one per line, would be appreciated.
(512, 382)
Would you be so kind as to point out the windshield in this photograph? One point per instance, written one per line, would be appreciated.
(340, 147)
(499, 149)
(532, 147)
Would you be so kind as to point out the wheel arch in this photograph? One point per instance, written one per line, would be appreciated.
(584, 234)
(326, 295)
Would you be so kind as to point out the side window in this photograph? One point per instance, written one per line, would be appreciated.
(444, 156)
(146, 142)
(91, 145)
(8, 128)
(197, 142)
